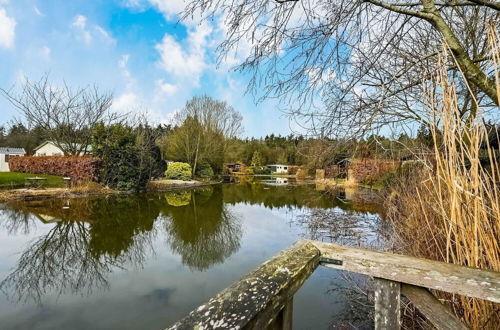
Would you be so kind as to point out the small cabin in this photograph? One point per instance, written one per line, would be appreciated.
(278, 168)
(8, 153)
(49, 148)
(234, 167)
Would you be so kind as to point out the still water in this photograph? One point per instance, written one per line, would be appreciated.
(143, 262)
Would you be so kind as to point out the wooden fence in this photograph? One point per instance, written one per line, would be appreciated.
(263, 299)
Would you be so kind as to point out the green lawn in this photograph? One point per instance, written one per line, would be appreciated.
(17, 180)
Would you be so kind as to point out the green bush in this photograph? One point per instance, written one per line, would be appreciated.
(262, 170)
(179, 171)
(205, 171)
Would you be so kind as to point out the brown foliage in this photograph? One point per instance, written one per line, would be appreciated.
(450, 209)
(76, 167)
(332, 171)
(371, 170)
(292, 170)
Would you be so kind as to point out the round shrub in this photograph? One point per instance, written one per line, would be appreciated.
(179, 171)
(205, 171)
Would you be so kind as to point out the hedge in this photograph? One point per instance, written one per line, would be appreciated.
(369, 171)
(76, 167)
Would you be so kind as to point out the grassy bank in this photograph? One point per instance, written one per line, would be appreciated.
(11, 180)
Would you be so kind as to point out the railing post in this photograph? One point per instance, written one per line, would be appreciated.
(284, 319)
(387, 304)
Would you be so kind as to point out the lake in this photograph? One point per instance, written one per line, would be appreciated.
(145, 261)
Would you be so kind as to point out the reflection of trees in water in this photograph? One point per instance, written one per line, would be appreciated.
(75, 256)
(357, 293)
(357, 221)
(16, 222)
(342, 227)
(354, 290)
(91, 237)
(276, 196)
(124, 228)
(59, 261)
(204, 232)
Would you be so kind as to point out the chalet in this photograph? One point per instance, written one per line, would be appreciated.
(278, 168)
(234, 167)
(8, 153)
(49, 148)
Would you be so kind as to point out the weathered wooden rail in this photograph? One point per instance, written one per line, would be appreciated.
(263, 299)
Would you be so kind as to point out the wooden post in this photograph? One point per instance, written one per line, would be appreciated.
(438, 314)
(287, 316)
(284, 319)
(387, 304)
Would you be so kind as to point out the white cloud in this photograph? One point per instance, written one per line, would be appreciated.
(7, 29)
(169, 8)
(126, 102)
(80, 23)
(122, 64)
(165, 88)
(186, 62)
(89, 32)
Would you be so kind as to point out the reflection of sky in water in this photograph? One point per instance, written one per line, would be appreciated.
(160, 289)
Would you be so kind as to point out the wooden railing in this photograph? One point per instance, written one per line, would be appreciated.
(264, 298)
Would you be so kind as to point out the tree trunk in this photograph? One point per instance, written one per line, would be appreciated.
(196, 154)
(471, 71)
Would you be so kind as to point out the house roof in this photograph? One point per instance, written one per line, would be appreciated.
(89, 148)
(13, 151)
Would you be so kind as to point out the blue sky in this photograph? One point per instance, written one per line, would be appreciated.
(134, 48)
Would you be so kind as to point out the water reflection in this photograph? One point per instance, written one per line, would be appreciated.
(61, 262)
(202, 228)
(91, 237)
(173, 240)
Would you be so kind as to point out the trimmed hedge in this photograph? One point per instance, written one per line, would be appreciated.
(76, 167)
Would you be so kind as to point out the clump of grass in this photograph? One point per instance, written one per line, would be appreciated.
(449, 210)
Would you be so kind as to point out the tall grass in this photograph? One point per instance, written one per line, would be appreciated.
(449, 208)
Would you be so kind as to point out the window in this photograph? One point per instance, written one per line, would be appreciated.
(286, 167)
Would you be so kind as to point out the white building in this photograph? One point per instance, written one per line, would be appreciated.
(278, 168)
(8, 153)
(49, 148)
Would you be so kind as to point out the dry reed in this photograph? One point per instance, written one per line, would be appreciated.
(449, 209)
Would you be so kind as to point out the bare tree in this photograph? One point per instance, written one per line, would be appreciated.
(204, 126)
(217, 116)
(357, 63)
(64, 116)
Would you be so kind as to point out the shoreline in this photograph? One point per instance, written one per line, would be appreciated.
(82, 192)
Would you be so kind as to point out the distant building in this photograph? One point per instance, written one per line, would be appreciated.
(8, 153)
(234, 167)
(278, 168)
(49, 148)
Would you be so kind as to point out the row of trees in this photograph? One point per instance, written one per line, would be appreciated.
(20, 136)
(314, 153)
